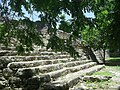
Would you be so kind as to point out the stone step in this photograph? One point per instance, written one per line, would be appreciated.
(3, 52)
(0, 73)
(32, 53)
(25, 64)
(53, 67)
(71, 79)
(2, 47)
(12, 47)
(8, 59)
(66, 70)
(49, 53)
(37, 57)
(7, 53)
(37, 50)
(40, 69)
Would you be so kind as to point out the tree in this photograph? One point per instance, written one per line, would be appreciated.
(114, 27)
(50, 12)
(107, 21)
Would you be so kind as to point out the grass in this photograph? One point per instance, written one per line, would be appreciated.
(103, 73)
(107, 71)
(103, 85)
(115, 67)
(113, 61)
(99, 85)
(113, 58)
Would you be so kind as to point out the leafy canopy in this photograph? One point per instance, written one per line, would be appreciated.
(103, 28)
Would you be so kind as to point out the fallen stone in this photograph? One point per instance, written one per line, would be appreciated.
(35, 82)
(50, 86)
(7, 72)
(18, 89)
(2, 79)
(116, 87)
(80, 87)
(116, 79)
(96, 78)
(27, 73)
(32, 83)
(7, 88)
(0, 70)
(1, 66)
(3, 84)
(14, 82)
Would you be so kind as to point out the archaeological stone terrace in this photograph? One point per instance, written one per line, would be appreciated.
(42, 69)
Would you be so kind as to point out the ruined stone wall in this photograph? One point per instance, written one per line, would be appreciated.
(30, 71)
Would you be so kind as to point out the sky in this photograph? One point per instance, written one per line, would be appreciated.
(90, 14)
(35, 15)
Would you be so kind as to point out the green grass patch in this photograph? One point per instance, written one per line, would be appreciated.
(113, 61)
(103, 73)
(98, 85)
(113, 58)
(103, 85)
(115, 68)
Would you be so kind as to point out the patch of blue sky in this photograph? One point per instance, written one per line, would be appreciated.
(34, 16)
(89, 15)
(68, 17)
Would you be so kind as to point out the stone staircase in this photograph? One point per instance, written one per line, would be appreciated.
(43, 69)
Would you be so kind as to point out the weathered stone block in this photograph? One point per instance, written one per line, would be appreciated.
(15, 82)
(36, 81)
(50, 86)
(7, 88)
(96, 78)
(7, 72)
(3, 84)
(24, 74)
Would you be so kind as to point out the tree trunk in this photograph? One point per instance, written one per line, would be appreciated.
(103, 56)
(90, 54)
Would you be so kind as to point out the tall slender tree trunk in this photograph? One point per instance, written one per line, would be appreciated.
(90, 54)
(104, 56)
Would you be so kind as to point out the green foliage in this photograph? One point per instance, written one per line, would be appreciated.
(23, 31)
(100, 32)
(114, 27)
(58, 44)
(102, 85)
(114, 58)
(90, 36)
(115, 68)
(65, 25)
(104, 73)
